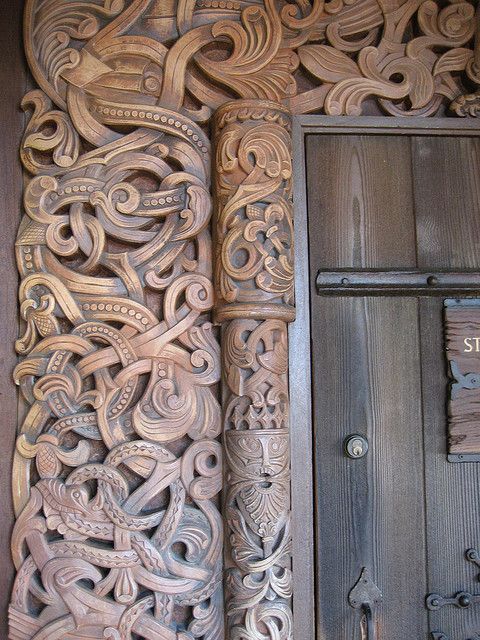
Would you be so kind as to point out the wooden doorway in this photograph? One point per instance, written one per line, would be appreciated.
(384, 198)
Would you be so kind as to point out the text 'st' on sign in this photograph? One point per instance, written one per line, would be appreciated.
(462, 336)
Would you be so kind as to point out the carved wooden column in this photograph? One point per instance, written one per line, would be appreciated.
(254, 290)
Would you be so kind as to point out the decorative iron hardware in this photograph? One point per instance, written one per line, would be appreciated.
(462, 599)
(463, 457)
(365, 595)
(355, 446)
(473, 556)
(439, 635)
(413, 282)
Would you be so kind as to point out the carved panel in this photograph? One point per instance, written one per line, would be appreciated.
(469, 104)
(254, 282)
(118, 466)
(118, 463)
(414, 57)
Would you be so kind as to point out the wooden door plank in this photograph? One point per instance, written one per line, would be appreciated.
(358, 223)
(360, 202)
(370, 512)
(447, 202)
(452, 490)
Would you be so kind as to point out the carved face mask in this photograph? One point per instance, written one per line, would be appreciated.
(257, 454)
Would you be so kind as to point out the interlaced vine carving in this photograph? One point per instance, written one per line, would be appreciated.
(118, 464)
(469, 104)
(254, 269)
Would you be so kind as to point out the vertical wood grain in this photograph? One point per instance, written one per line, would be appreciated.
(386, 203)
(301, 411)
(447, 201)
(370, 512)
(360, 202)
(447, 204)
(14, 84)
(452, 496)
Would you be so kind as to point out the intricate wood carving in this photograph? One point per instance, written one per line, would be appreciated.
(469, 104)
(118, 464)
(254, 282)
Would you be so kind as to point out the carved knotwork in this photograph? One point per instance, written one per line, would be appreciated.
(118, 464)
(254, 281)
(469, 104)
(412, 57)
(254, 229)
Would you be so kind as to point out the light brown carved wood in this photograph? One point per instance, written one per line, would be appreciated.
(118, 463)
(469, 104)
(254, 285)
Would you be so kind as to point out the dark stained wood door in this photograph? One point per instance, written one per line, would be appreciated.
(379, 369)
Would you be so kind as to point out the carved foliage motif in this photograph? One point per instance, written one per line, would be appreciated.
(408, 75)
(254, 271)
(118, 464)
(469, 104)
(254, 265)
(413, 57)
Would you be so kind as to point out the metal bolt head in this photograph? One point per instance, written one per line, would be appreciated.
(464, 600)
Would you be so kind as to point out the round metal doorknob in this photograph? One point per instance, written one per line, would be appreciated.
(355, 446)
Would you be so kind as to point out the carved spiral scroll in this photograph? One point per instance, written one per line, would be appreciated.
(118, 466)
(254, 283)
(118, 461)
(469, 104)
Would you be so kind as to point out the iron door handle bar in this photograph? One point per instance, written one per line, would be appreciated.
(366, 622)
(365, 595)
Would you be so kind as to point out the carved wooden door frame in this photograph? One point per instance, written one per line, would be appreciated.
(123, 294)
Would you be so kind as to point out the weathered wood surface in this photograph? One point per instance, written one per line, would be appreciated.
(13, 79)
(462, 343)
(254, 278)
(379, 367)
(373, 504)
(118, 462)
